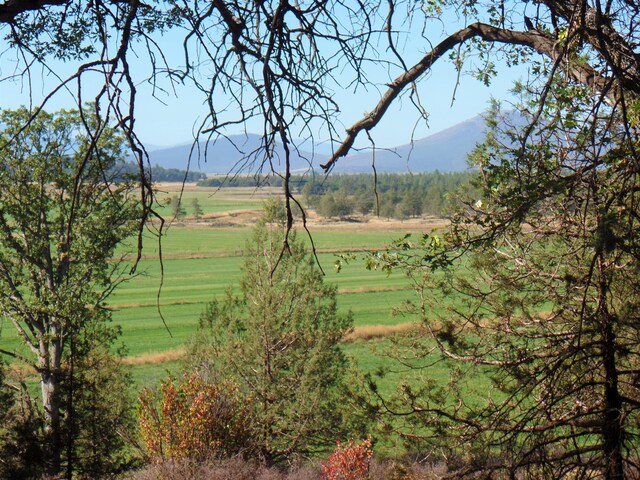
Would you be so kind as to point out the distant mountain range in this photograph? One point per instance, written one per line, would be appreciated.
(445, 151)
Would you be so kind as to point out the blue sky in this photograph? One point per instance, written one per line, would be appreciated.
(174, 122)
(172, 119)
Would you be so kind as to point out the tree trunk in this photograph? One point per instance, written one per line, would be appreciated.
(50, 384)
(51, 405)
(612, 430)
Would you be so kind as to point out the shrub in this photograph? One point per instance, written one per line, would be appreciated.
(193, 419)
(99, 418)
(349, 461)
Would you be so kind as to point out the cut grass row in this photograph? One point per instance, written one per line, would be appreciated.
(203, 240)
(201, 262)
(190, 283)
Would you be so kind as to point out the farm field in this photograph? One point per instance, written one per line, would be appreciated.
(202, 258)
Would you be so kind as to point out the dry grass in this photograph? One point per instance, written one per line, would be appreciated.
(121, 306)
(156, 357)
(233, 469)
(368, 332)
(248, 217)
(377, 289)
(170, 188)
(315, 222)
(21, 370)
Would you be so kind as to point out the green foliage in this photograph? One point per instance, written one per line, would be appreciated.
(100, 419)
(399, 195)
(123, 170)
(274, 211)
(336, 204)
(177, 210)
(280, 339)
(61, 220)
(196, 208)
(21, 455)
(545, 265)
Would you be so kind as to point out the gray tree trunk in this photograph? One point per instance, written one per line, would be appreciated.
(50, 382)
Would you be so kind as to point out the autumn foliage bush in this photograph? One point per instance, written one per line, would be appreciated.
(193, 419)
(349, 461)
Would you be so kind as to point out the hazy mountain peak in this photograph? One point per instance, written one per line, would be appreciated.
(445, 151)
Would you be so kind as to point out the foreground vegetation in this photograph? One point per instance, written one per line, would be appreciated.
(523, 363)
(543, 263)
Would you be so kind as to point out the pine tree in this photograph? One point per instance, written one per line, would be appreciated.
(196, 208)
(177, 210)
(280, 339)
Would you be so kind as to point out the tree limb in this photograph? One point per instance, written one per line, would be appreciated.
(597, 30)
(10, 9)
(539, 41)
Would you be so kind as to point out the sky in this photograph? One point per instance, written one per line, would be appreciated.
(172, 119)
(174, 122)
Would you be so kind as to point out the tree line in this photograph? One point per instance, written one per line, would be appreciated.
(130, 170)
(388, 195)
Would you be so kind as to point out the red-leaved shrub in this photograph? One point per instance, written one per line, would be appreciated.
(348, 461)
(193, 419)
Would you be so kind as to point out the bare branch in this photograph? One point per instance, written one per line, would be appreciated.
(542, 43)
(10, 9)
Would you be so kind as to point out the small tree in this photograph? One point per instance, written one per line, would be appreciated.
(411, 204)
(99, 415)
(280, 339)
(196, 208)
(336, 204)
(177, 210)
(364, 202)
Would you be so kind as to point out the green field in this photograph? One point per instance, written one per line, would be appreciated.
(201, 261)
(158, 314)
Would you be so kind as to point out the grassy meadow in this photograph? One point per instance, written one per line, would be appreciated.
(202, 258)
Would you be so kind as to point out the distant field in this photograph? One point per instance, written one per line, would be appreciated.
(201, 259)
(212, 200)
(189, 283)
(205, 240)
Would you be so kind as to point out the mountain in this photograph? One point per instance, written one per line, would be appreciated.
(445, 151)
(235, 153)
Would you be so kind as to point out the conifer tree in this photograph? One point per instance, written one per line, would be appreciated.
(544, 266)
(280, 339)
(196, 208)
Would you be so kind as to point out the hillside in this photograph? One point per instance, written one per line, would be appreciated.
(445, 151)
